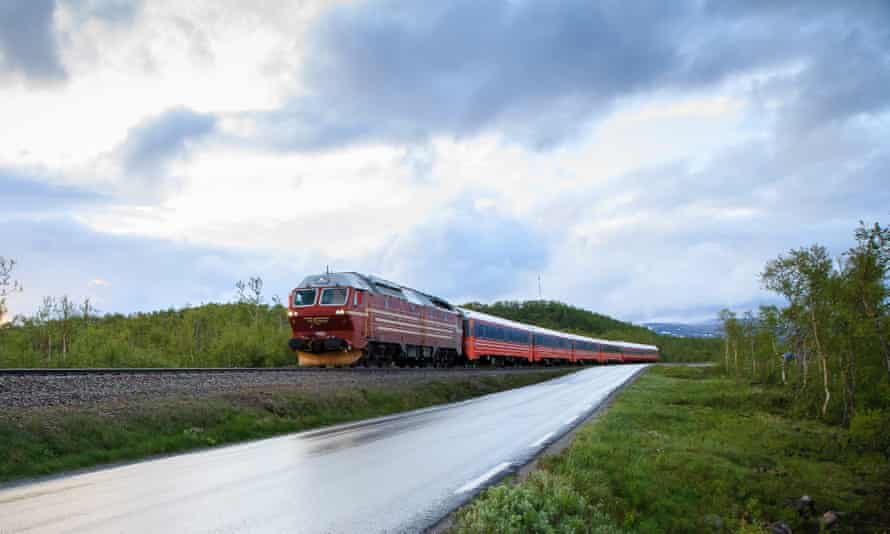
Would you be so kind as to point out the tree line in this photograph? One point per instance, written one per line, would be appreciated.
(248, 332)
(829, 345)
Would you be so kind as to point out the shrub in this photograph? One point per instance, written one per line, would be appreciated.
(544, 504)
(868, 430)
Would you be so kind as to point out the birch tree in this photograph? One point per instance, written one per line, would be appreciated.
(804, 277)
(8, 285)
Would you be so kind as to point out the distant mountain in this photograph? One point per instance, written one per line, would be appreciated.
(707, 329)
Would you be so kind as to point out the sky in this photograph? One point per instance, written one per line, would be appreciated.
(644, 160)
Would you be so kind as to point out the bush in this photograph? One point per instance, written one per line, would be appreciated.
(544, 504)
(868, 431)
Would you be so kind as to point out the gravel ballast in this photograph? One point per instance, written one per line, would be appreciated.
(39, 391)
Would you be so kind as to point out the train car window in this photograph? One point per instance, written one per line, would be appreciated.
(303, 297)
(355, 298)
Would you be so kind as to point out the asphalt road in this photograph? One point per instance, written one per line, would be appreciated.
(395, 474)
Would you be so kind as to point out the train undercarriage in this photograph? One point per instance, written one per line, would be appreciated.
(335, 353)
(396, 355)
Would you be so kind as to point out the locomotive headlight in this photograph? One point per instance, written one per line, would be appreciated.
(339, 312)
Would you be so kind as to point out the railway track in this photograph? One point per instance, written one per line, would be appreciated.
(31, 388)
(231, 370)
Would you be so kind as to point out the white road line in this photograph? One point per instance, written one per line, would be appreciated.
(541, 441)
(476, 482)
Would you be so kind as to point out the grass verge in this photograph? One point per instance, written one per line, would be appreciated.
(686, 450)
(50, 440)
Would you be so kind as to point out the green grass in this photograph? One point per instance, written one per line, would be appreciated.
(685, 450)
(51, 440)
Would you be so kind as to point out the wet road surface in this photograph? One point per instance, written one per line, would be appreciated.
(401, 473)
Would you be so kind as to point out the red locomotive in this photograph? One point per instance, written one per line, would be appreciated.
(350, 318)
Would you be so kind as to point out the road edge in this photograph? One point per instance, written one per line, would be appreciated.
(553, 449)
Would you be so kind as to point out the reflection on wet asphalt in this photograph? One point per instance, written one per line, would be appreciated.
(395, 474)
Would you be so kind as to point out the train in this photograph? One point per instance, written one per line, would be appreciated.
(352, 319)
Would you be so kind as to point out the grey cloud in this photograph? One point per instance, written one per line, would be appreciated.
(849, 77)
(403, 70)
(30, 192)
(28, 41)
(156, 141)
(397, 71)
(119, 12)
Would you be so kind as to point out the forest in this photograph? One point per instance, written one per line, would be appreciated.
(829, 345)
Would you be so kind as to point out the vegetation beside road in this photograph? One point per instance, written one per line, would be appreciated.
(49, 440)
(686, 449)
(829, 347)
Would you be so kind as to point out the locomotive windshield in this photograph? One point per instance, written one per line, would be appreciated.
(304, 297)
(333, 296)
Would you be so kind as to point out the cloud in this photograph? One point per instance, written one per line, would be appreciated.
(538, 72)
(157, 140)
(31, 192)
(143, 161)
(121, 12)
(28, 41)
(679, 241)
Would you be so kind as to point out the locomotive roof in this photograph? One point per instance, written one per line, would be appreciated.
(337, 279)
(375, 284)
(472, 314)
